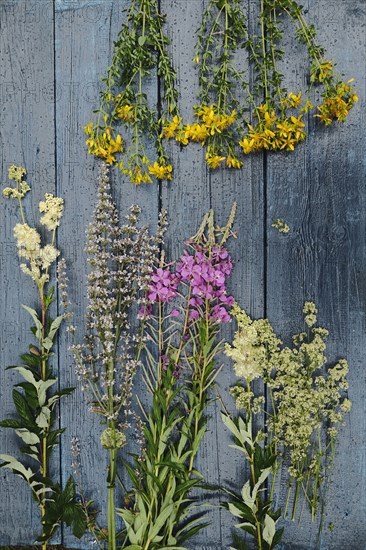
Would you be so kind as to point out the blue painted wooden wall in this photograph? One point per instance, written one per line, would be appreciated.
(52, 53)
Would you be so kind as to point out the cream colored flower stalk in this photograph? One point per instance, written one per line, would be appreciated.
(251, 345)
(28, 241)
(53, 209)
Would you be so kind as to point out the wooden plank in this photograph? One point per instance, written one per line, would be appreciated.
(27, 138)
(320, 191)
(192, 192)
(85, 32)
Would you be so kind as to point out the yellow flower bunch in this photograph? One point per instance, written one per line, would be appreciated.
(214, 161)
(136, 173)
(337, 103)
(125, 112)
(321, 71)
(273, 133)
(161, 171)
(103, 145)
(214, 121)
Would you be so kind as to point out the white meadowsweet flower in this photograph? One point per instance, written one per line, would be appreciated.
(28, 240)
(48, 255)
(53, 209)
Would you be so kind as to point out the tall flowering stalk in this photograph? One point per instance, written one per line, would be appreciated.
(121, 258)
(34, 403)
(307, 404)
(186, 304)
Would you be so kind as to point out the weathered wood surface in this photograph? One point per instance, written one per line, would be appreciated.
(52, 54)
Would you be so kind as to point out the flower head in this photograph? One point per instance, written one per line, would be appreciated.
(53, 210)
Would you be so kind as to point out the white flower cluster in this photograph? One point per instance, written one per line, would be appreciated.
(16, 173)
(29, 247)
(53, 209)
(307, 397)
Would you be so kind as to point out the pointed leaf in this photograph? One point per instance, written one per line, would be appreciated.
(269, 529)
(37, 322)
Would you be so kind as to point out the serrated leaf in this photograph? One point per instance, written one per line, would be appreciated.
(27, 375)
(22, 406)
(42, 387)
(230, 424)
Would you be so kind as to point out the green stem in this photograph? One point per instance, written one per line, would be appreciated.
(43, 373)
(112, 542)
(21, 210)
(264, 54)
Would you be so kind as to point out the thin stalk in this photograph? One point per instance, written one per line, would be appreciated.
(112, 543)
(264, 53)
(44, 458)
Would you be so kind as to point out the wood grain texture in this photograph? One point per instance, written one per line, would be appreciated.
(320, 192)
(27, 139)
(84, 43)
(52, 54)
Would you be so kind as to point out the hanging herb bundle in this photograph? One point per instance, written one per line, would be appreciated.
(141, 50)
(36, 423)
(308, 404)
(279, 125)
(221, 34)
(185, 309)
(227, 96)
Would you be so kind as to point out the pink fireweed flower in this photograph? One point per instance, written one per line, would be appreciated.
(163, 286)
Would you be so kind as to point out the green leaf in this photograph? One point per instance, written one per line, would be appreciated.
(28, 437)
(44, 418)
(160, 521)
(141, 40)
(52, 437)
(22, 406)
(11, 423)
(242, 436)
(27, 375)
(269, 529)
(55, 325)
(42, 388)
(16, 466)
(37, 322)
(249, 497)
(68, 493)
(133, 547)
(234, 510)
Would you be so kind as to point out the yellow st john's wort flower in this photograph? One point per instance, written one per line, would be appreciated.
(197, 132)
(161, 171)
(103, 145)
(170, 129)
(294, 100)
(126, 113)
(138, 176)
(233, 162)
(214, 161)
